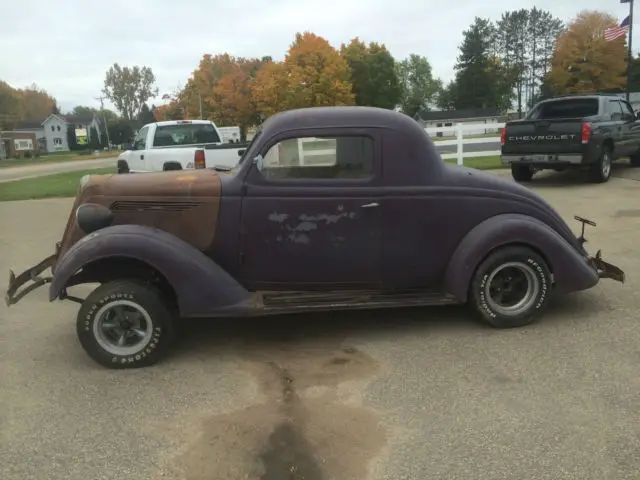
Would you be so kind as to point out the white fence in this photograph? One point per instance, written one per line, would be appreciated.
(458, 131)
(321, 151)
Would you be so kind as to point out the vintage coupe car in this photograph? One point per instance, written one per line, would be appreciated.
(329, 208)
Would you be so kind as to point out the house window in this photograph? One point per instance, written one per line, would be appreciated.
(53, 129)
(58, 127)
(57, 141)
(320, 158)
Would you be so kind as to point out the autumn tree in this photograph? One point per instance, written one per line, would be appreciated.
(373, 74)
(584, 62)
(419, 86)
(30, 103)
(313, 73)
(129, 88)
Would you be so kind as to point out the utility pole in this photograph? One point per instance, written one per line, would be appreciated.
(630, 58)
(104, 120)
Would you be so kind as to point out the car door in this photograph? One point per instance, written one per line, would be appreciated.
(311, 212)
(631, 129)
(136, 159)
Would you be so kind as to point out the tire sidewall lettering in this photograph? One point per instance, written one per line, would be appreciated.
(144, 351)
(541, 277)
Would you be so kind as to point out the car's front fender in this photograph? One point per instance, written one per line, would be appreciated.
(571, 270)
(202, 287)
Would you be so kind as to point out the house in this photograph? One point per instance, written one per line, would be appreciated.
(51, 132)
(448, 118)
(17, 144)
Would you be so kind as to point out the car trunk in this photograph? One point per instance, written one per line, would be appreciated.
(553, 127)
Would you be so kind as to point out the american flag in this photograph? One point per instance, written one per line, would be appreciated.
(616, 32)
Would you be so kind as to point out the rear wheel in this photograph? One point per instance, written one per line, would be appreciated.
(125, 324)
(634, 160)
(521, 173)
(511, 287)
(601, 170)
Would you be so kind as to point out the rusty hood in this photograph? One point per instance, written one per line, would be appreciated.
(183, 203)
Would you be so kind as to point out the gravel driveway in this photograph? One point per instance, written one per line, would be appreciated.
(403, 394)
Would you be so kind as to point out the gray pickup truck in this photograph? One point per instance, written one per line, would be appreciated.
(589, 131)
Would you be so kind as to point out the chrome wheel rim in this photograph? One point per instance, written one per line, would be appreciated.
(122, 327)
(512, 289)
(606, 164)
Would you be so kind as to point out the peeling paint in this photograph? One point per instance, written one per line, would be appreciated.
(301, 238)
(278, 217)
(327, 218)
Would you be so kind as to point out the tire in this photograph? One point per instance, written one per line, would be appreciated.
(601, 170)
(123, 167)
(155, 324)
(510, 263)
(634, 159)
(521, 173)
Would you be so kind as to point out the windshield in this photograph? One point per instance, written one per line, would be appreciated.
(253, 140)
(185, 134)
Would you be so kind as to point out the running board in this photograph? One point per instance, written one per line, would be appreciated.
(275, 302)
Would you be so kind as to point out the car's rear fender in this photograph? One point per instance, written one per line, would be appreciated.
(201, 286)
(570, 268)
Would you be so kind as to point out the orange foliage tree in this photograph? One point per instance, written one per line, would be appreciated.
(583, 61)
(221, 89)
(31, 103)
(313, 73)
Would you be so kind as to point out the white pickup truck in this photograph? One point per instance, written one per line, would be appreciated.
(178, 145)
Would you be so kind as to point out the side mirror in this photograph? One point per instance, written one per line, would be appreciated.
(241, 152)
(637, 115)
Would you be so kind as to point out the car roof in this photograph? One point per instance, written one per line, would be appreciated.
(338, 116)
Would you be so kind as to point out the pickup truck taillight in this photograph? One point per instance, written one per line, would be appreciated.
(198, 159)
(586, 132)
(503, 136)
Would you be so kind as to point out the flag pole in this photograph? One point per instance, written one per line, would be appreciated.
(629, 53)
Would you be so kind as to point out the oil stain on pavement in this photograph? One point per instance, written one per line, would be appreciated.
(310, 426)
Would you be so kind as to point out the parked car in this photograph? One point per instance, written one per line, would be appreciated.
(572, 131)
(178, 145)
(385, 223)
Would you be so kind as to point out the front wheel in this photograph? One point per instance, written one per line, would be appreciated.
(511, 287)
(125, 324)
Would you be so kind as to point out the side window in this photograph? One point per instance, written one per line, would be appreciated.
(140, 141)
(627, 110)
(320, 158)
(614, 109)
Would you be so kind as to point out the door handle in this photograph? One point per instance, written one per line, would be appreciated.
(142, 157)
(370, 205)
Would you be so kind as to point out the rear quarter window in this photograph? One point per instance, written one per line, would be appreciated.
(185, 134)
(570, 108)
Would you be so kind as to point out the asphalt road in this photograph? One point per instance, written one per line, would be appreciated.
(402, 394)
(18, 173)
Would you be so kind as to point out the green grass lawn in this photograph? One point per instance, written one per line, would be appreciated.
(57, 185)
(53, 158)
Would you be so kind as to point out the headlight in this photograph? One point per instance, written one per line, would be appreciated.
(84, 180)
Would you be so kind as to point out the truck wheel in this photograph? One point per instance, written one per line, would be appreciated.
(601, 170)
(125, 324)
(511, 287)
(634, 160)
(122, 167)
(521, 173)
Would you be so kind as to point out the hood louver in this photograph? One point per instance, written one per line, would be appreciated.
(142, 205)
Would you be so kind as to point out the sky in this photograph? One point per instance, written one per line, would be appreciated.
(66, 46)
